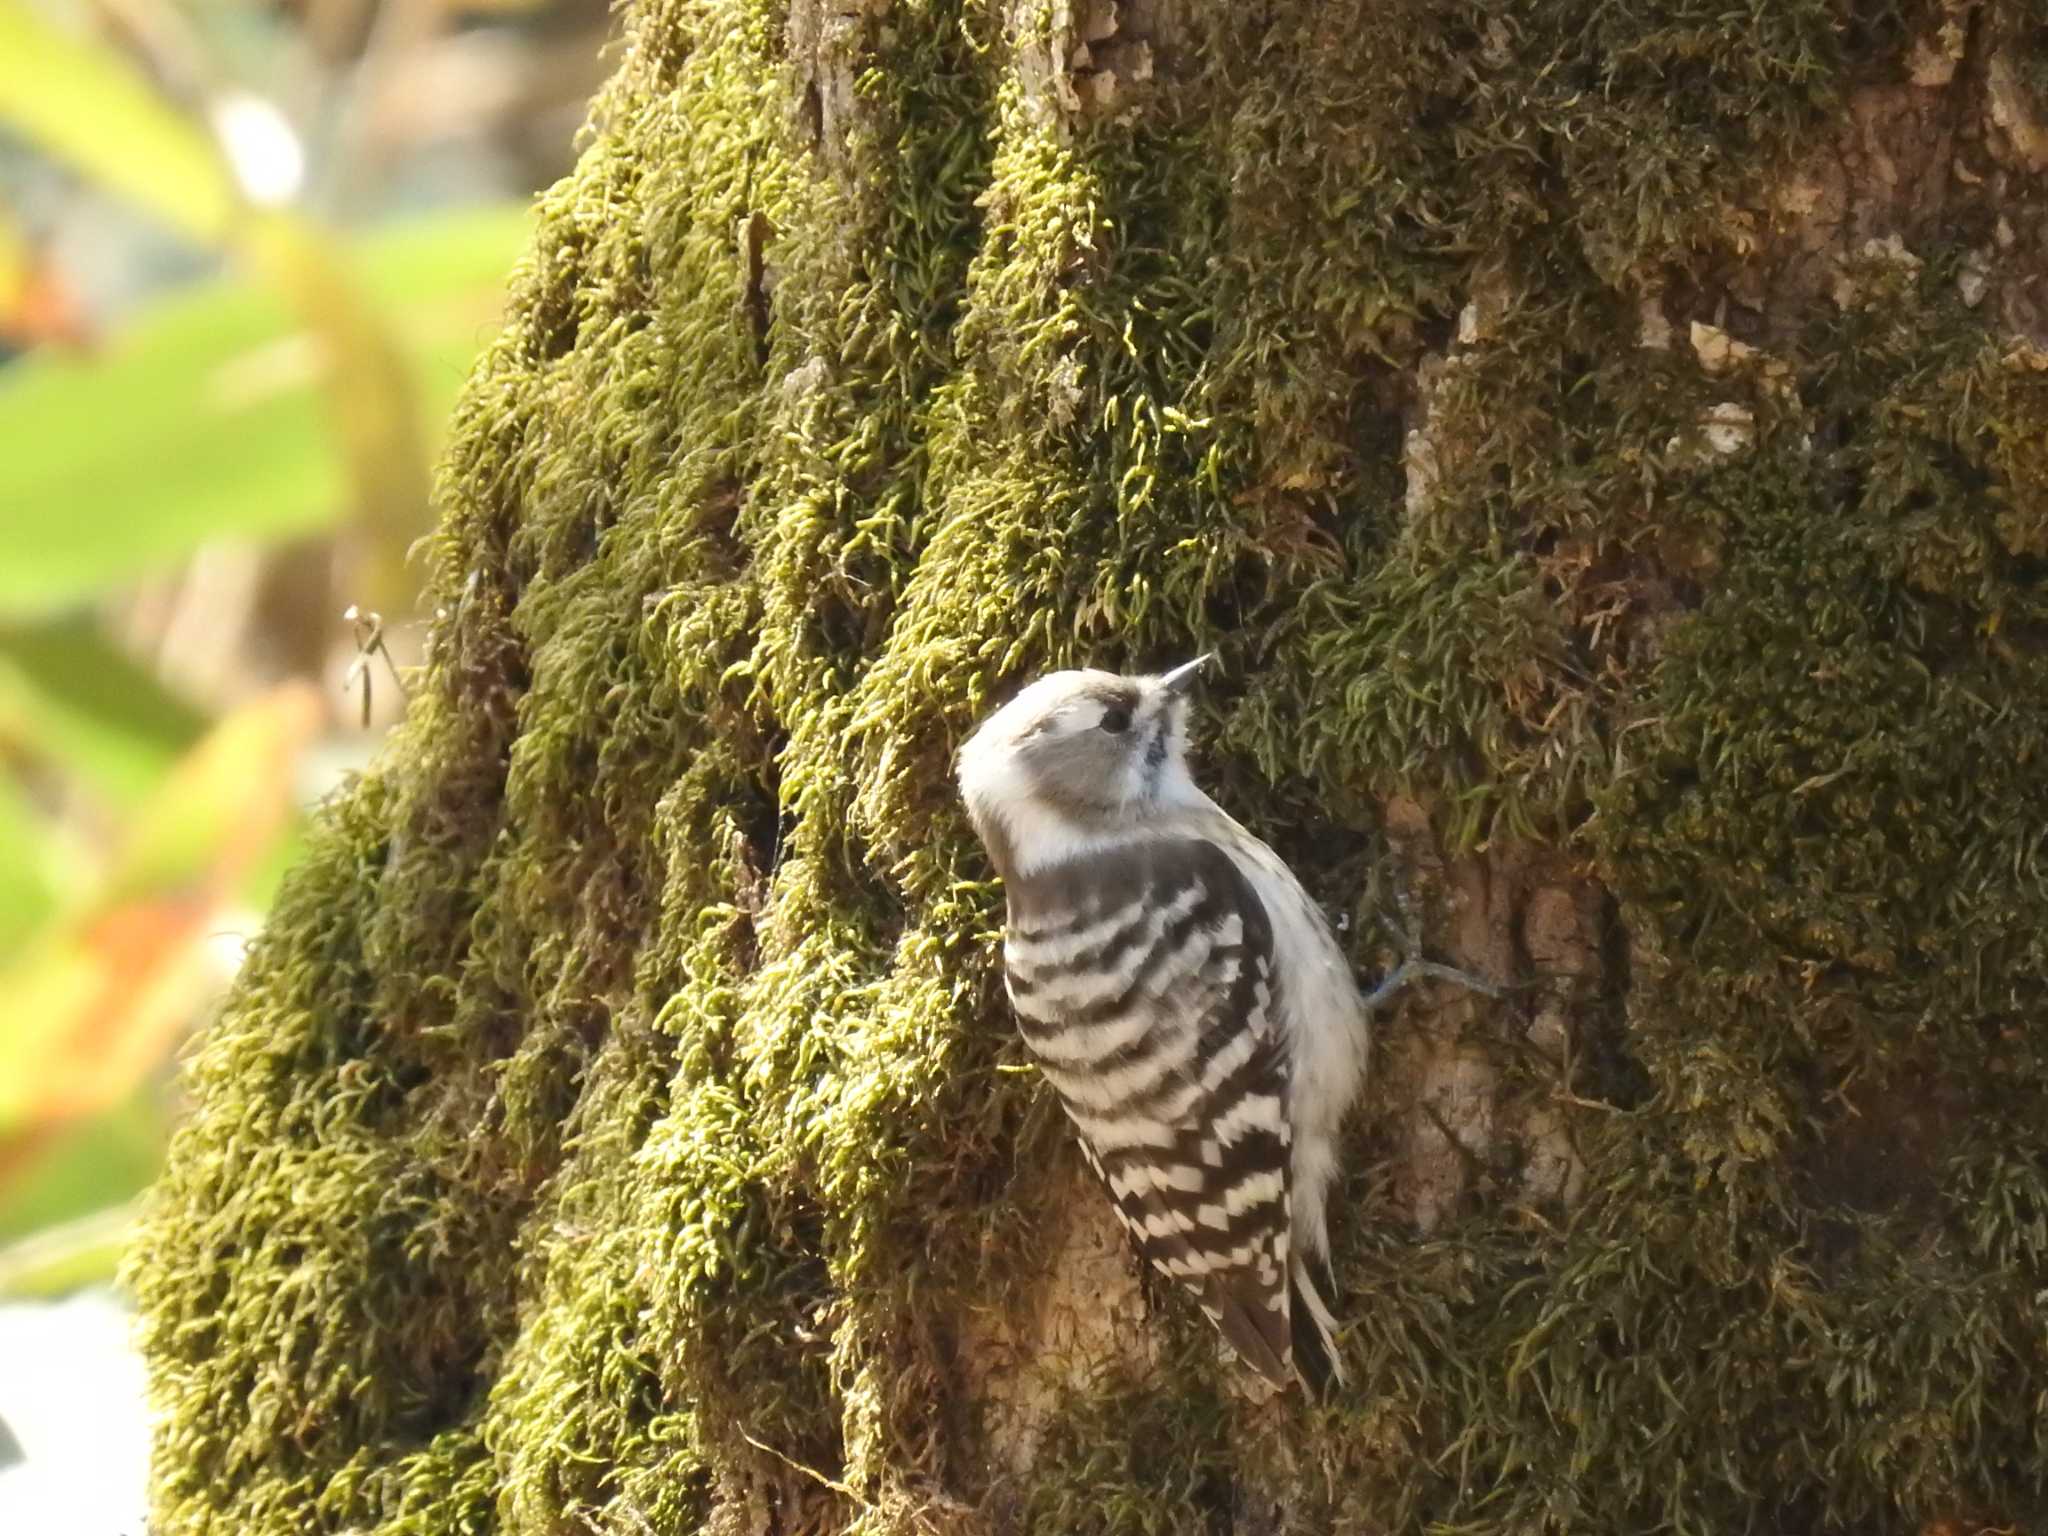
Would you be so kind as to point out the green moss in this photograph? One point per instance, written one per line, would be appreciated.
(1132, 1460)
(2023, 37)
(1825, 856)
(619, 1124)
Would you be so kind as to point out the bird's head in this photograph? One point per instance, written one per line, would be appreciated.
(1075, 760)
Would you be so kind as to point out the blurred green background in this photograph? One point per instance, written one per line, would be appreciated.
(248, 252)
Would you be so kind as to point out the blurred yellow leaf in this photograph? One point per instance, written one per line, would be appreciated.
(209, 823)
(87, 105)
(372, 403)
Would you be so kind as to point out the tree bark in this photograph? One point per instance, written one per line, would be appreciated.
(1603, 443)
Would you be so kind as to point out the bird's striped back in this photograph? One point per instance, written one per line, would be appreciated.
(1144, 984)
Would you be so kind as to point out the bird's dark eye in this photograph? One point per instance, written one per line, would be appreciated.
(1116, 719)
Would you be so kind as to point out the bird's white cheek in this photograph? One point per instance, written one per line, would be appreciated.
(1136, 785)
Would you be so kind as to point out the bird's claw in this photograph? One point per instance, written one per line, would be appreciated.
(1413, 967)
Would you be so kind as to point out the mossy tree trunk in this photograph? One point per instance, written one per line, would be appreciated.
(1604, 443)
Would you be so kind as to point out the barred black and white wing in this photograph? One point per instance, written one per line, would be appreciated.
(1144, 983)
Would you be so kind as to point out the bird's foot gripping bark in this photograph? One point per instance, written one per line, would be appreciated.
(1414, 967)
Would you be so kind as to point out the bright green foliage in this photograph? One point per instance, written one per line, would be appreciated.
(225, 405)
(611, 1133)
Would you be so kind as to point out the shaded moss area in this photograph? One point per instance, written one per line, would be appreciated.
(618, 1128)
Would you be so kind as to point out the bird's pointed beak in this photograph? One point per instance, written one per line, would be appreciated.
(1180, 677)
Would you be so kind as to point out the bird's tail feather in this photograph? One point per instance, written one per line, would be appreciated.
(1316, 1357)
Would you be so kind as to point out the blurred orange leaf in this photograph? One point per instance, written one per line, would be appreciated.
(98, 1000)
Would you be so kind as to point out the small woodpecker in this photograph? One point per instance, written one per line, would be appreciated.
(1183, 995)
